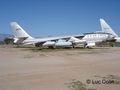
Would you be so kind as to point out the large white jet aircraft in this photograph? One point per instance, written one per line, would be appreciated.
(107, 29)
(87, 40)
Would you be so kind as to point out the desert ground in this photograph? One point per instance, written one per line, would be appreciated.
(35, 69)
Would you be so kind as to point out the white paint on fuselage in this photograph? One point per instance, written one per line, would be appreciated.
(95, 37)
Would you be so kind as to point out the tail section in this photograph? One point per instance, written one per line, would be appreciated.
(106, 28)
(18, 31)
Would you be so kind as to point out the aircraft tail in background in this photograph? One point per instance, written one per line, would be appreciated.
(106, 28)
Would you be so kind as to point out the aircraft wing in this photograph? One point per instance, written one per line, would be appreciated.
(55, 39)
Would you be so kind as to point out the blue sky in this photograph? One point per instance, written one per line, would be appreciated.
(59, 17)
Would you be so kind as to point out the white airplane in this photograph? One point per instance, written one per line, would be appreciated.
(107, 29)
(87, 40)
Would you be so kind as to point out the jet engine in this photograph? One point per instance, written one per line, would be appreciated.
(76, 41)
(90, 44)
(63, 43)
(117, 39)
(15, 40)
(49, 43)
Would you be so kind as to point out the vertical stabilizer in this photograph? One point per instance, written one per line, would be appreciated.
(106, 28)
(18, 31)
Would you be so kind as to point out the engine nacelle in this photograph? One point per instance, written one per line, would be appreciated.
(49, 43)
(117, 39)
(80, 42)
(63, 43)
(90, 44)
(15, 40)
(77, 41)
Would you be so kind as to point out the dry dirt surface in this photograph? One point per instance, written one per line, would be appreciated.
(35, 69)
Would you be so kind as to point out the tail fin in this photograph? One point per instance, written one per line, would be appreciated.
(18, 31)
(106, 28)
